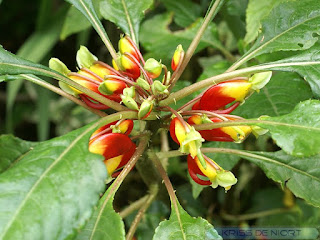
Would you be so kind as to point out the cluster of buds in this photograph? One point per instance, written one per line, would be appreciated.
(113, 143)
(140, 85)
(214, 106)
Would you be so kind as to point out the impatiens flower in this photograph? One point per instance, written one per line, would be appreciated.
(126, 45)
(129, 66)
(234, 91)
(212, 175)
(177, 57)
(116, 148)
(223, 134)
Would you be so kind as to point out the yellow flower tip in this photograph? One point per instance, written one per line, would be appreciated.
(112, 164)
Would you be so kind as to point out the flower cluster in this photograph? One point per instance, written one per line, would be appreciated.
(132, 81)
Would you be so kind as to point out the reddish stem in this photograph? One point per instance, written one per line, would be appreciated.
(98, 106)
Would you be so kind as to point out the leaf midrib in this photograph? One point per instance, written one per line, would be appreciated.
(42, 176)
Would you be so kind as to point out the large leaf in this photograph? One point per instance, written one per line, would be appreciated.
(75, 21)
(99, 226)
(127, 14)
(256, 11)
(12, 150)
(157, 38)
(182, 226)
(186, 12)
(51, 191)
(300, 175)
(305, 63)
(297, 133)
(278, 97)
(291, 26)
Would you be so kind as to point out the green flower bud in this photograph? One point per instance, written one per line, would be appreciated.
(259, 80)
(158, 88)
(85, 58)
(143, 83)
(153, 68)
(129, 102)
(130, 92)
(145, 109)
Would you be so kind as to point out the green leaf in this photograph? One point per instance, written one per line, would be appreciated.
(182, 226)
(256, 11)
(12, 149)
(8, 78)
(99, 227)
(306, 64)
(75, 22)
(186, 12)
(87, 9)
(297, 133)
(291, 26)
(126, 14)
(51, 191)
(157, 38)
(300, 175)
(278, 97)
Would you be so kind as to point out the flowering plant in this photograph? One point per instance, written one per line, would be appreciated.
(64, 188)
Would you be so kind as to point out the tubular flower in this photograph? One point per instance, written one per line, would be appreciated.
(177, 57)
(212, 175)
(224, 134)
(116, 148)
(129, 66)
(234, 91)
(126, 45)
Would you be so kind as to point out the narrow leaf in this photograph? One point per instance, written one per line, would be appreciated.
(12, 149)
(300, 175)
(297, 133)
(126, 14)
(291, 26)
(51, 191)
(182, 226)
(99, 227)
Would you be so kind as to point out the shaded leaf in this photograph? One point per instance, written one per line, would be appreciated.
(278, 97)
(99, 227)
(297, 133)
(8, 78)
(12, 149)
(75, 21)
(182, 226)
(51, 191)
(126, 14)
(291, 26)
(186, 12)
(157, 38)
(301, 175)
(256, 11)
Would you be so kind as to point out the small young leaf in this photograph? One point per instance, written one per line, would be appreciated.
(99, 227)
(297, 133)
(12, 149)
(182, 226)
(300, 175)
(126, 14)
(52, 189)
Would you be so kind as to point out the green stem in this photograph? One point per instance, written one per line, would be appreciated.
(196, 40)
(133, 207)
(250, 216)
(153, 193)
(169, 154)
(62, 93)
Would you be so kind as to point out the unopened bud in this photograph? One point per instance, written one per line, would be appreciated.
(129, 102)
(145, 109)
(158, 88)
(111, 86)
(177, 57)
(143, 83)
(130, 92)
(153, 68)
(126, 46)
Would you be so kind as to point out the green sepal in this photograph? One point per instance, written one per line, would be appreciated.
(104, 90)
(85, 58)
(158, 88)
(226, 179)
(259, 80)
(57, 65)
(143, 83)
(129, 92)
(153, 67)
(145, 108)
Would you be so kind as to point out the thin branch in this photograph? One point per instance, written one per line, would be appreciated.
(250, 216)
(153, 193)
(196, 40)
(133, 207)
